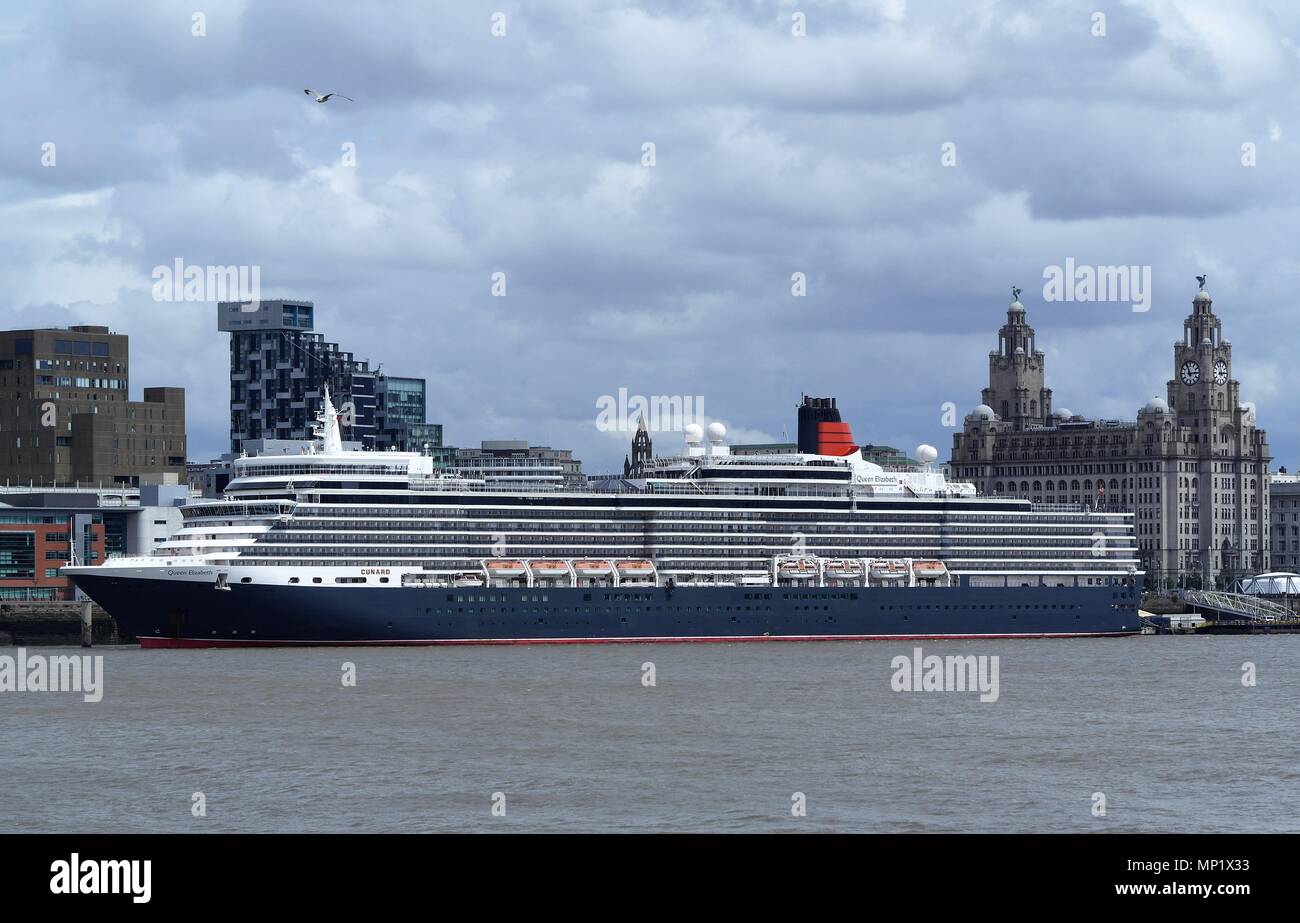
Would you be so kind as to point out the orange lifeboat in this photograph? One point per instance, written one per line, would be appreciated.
(503, 568)
(549, 569)
(836, 570)
(889, 570)
(797, 570)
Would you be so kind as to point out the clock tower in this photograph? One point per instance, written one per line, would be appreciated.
(1222, 478)
(1192, 469)
(1202, 392)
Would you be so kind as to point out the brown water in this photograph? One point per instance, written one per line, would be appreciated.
(1162, 725)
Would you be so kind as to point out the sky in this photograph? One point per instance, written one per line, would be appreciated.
(913, 161)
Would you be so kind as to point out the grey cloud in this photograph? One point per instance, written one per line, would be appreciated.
(774, 155)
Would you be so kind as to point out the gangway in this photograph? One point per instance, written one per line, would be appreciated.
(1242, 606)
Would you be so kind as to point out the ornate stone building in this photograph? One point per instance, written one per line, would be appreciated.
(1192, 468)
(642, 450)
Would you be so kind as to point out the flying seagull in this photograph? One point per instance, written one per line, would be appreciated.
(326, 97)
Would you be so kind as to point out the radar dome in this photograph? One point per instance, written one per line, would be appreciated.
(694, 433)
(717, 432)
(926, 454)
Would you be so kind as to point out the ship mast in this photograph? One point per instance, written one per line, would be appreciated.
(327, 427)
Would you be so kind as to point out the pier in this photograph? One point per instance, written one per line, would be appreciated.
(1224, 613)
(42, 623)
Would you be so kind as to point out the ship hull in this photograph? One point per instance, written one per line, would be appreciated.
(180, 613)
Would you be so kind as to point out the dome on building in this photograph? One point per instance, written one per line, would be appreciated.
(1017, 307)
(1157, 404)
(982, 412)
(1202, 297)
(1063, 414)
(1205, 341)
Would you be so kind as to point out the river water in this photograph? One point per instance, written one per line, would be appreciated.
(570, 738)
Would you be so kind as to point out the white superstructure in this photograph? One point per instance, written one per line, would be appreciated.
(346, 518)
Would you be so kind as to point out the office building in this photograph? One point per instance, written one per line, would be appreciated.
(43, 529)
(280, 366)
(68, 418)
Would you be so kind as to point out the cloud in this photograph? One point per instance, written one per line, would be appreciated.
(775, 154)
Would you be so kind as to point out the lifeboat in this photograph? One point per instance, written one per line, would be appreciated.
(929, 570)
(836, 570)
(592, 568)
(797, 570)
(468, 580)
(889, 570)
(635, 568)
(502, 568)
(549, 569)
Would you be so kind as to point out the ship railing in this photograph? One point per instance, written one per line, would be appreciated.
(687, 488)
(136, 558)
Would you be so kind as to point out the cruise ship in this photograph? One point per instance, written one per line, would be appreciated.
(335, 547)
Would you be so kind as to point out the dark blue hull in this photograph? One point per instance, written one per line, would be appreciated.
(167, 613)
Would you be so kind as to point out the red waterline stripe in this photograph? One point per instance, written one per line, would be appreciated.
(172, 643)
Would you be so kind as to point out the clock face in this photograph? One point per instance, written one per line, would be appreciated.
(1190, 372)
(1220, 372)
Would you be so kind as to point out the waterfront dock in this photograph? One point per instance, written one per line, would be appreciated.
(1215, 612)
(40, 624)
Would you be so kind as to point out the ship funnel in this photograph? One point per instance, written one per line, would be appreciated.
(821, 431)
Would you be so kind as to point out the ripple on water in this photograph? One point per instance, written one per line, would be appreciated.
(575, 742)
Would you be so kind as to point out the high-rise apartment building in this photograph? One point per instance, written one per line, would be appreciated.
(279, 368)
